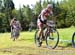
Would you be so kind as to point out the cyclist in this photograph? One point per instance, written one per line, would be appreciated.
(42, 19)
(15, 25)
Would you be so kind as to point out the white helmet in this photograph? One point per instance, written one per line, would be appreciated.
(49, 6)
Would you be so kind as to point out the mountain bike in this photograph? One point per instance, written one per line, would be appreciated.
(50, 35)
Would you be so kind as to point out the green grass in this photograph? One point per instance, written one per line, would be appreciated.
(25, 43)
(66, 34)
(25, 38)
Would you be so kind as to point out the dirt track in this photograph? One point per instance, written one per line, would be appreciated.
(24, 50)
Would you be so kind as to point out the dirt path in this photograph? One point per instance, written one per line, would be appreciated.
(29, 50)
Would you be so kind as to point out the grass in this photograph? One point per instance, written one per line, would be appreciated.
(66, 35)
(25, 44)
(25, 38)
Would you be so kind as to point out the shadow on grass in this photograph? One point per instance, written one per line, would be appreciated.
(65, 46)
(69, 45)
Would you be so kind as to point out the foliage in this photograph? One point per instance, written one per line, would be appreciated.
(64, 10)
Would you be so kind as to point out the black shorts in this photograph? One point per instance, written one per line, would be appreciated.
(44, 22)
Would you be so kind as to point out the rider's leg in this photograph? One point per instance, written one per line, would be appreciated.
(11, 32)
(39, 37)
(39, 25)
(17, 34)
(40, 28)
(40, 32)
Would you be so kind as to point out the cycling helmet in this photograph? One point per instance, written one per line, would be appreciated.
(49, 6)
(14, 19)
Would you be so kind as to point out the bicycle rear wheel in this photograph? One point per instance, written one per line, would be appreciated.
(37, 41)
(73, 39)
(52, 39)
(15, 34)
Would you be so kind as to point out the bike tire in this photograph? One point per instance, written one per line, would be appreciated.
(73, 39)
(35, 36)
(53, 47)
(37, 42)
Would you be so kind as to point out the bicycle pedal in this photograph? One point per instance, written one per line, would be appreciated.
(40, 42)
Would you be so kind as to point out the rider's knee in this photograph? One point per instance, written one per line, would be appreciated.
(40, 30)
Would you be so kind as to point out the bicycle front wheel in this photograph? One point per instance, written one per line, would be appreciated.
(73, 39)
(52, 39)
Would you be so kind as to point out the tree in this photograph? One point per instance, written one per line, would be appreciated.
(8, 7)
(28, 13)
(37, 8)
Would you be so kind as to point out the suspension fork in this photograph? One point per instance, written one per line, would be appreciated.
(49, 30)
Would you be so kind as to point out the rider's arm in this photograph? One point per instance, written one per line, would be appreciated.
(53, 18)
(11, 22)
(43, 17)
(51, 13)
